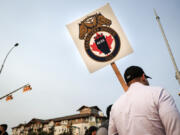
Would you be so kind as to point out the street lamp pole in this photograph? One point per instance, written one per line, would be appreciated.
(169, 49)
(7, 56)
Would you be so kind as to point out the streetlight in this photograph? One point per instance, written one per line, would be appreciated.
(177, 74)
(7, 56)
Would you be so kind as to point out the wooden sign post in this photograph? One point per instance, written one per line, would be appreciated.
(119, 76)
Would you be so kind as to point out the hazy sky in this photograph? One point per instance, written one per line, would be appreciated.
(48, 59)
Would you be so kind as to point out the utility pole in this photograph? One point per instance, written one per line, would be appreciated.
(169, 49)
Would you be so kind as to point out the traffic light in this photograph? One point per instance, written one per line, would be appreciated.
(9, 97)
(27, 88)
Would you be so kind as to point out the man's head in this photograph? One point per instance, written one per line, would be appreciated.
(92, 130)
(135, 74)
(3, 127)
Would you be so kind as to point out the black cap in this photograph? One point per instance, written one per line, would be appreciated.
(133, 72)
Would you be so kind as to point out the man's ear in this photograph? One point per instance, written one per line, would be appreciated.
(143, 77)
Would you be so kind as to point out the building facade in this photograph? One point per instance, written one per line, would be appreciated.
(75, 124)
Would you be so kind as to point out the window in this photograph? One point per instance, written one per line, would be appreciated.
(91, 118)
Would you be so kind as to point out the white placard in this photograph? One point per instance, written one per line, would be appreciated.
(99, 38)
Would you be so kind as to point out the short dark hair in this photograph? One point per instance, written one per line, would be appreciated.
(4, 126)
(5, 133)
(108, 110)
(90, 130)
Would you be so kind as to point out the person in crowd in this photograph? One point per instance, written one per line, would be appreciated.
(143, 109)
(3, 128)
(91, 131)
(103, 129)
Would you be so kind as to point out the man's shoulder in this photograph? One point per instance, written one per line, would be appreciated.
(154, 91)
(145, 88)
(138, 89)
(105, 124)
(140, 85)
(102, 131)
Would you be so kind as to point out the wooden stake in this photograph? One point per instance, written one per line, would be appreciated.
(119, 76)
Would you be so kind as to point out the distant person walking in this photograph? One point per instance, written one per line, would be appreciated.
(103, 129)
(143, 110)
